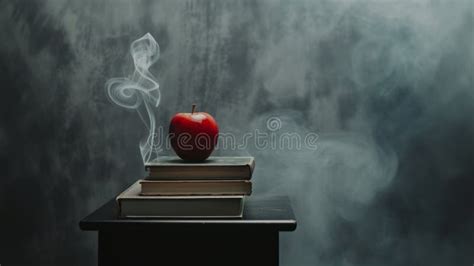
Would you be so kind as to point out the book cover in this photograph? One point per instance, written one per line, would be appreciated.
(218, 167)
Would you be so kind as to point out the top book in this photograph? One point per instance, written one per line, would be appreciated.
(215, 167)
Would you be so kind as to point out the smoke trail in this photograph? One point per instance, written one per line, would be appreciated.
(140, 92)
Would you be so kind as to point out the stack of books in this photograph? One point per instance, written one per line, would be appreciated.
(174, 188)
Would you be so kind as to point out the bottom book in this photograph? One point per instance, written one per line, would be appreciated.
(133, 205)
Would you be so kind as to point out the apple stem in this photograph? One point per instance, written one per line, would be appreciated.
(194, 107)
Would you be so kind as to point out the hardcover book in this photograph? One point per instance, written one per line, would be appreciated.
(224, 168)
(133, 205)
(195, 187)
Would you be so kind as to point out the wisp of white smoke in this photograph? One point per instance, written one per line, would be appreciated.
(140, 91)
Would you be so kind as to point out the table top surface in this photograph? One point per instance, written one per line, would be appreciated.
(260, 212)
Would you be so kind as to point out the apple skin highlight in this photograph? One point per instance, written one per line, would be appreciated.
(193, 136)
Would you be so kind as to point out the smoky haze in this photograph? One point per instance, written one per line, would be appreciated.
(386, 85)
(141, 92)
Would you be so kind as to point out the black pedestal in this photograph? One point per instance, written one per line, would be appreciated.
(252, 240)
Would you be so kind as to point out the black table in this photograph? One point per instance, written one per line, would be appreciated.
(252, 240)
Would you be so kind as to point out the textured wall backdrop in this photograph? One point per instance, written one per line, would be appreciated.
(387, 85)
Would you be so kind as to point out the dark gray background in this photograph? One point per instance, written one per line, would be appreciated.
(387, 86)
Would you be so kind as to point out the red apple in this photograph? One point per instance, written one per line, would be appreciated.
(193, 136)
